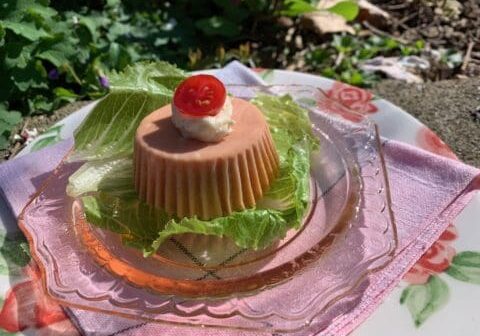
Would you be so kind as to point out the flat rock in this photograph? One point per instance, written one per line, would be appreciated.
(41, 123)
(450, 108)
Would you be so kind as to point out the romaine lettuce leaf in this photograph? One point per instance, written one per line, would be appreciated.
(109, 130)
(111, 175)
(146, 228)
(154, 77)
(291, 132)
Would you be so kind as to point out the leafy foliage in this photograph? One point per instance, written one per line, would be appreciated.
(50, 57)
(296, 7)
(340, 58)
(8, 119)
(348, 9)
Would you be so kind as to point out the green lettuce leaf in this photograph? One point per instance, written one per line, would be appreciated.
(291, 132)
(146, 228)
(111, 175)
(105, 183)
(109, 130)
(155, 78)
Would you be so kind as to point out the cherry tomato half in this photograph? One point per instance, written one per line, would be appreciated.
(200, 96)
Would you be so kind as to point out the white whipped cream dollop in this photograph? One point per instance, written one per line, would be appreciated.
(207, 129)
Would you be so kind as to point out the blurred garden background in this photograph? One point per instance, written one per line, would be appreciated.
(54, 53)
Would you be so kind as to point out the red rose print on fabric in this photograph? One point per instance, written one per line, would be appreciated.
(436, 260)
(429, 141)
(26, 306)
(342, 98)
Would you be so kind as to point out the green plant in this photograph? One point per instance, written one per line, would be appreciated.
(340, 58)
(348, 9)
(48, 57)
(8, 120)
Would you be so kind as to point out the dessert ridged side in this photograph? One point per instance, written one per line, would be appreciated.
(207, 189)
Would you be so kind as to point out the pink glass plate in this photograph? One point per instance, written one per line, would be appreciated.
(303, 282)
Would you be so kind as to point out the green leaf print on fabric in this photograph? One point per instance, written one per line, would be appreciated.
(465, 267)
(14, 254)
(424, 300)
(267, 75)
(50, 137)
(6, 333)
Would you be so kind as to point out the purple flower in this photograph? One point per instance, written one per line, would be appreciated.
(53, 74)
(104, 82)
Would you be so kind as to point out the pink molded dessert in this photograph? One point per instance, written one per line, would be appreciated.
(188, 177)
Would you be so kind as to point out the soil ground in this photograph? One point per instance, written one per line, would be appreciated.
(447, 24)
(451, 108)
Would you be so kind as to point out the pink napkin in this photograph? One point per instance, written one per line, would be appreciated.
(428, 192)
